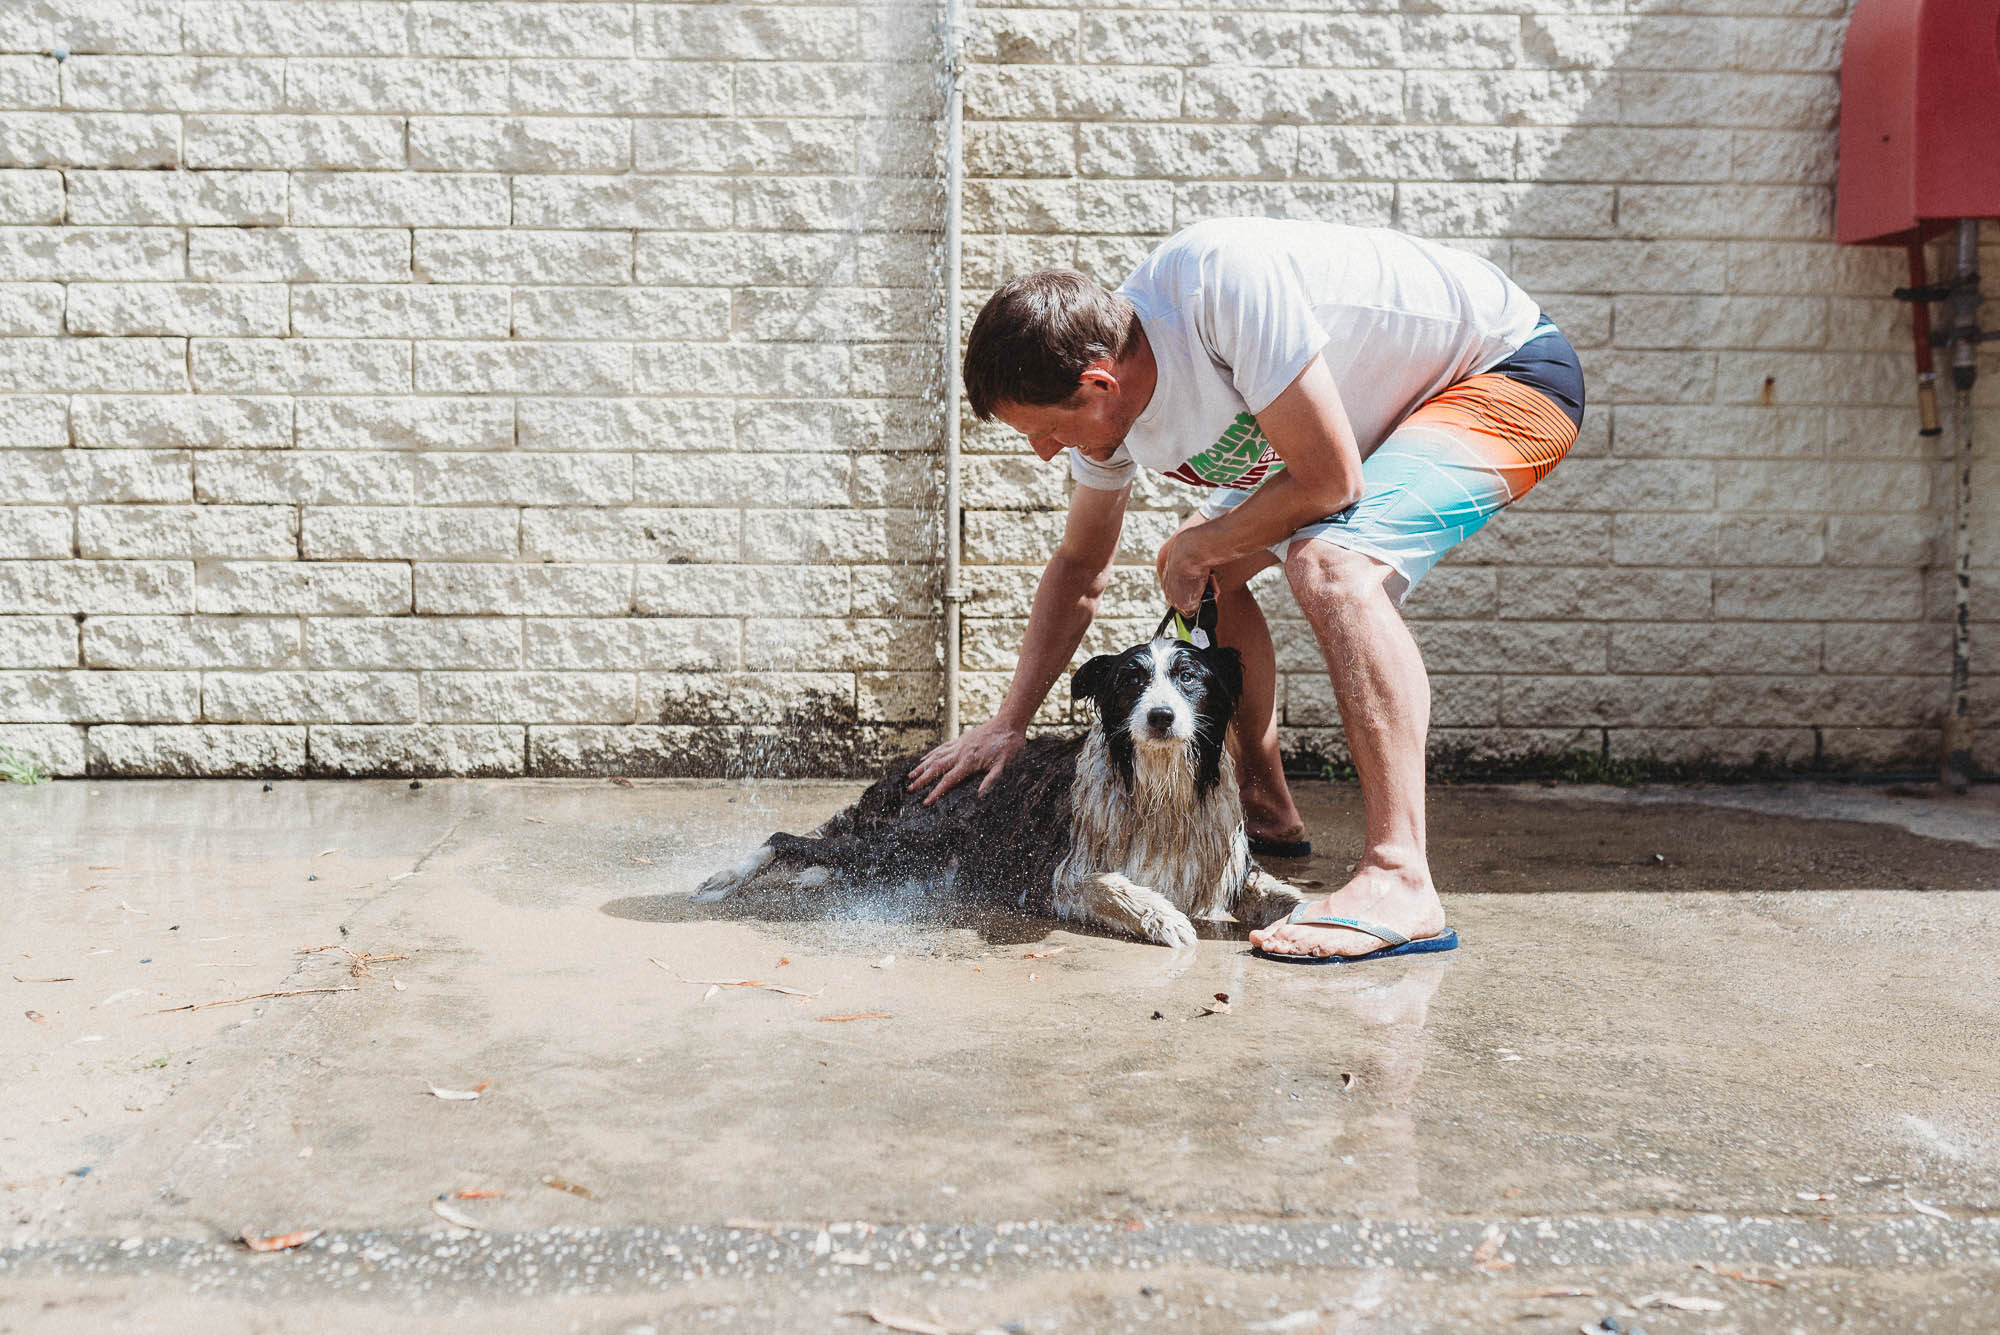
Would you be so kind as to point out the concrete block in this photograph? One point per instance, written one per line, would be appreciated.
(742, 590)
(28, 532)
(635, 424)
(271, 27)
(427, 311)
(653, 203)
(89, 139)
(31, 197)
(435, 533)
(528, 697)
(523, 368)
(399, 751)
(59, 477)
(667, 644)
(64, 253)
(1819, 595)
(621, 87)
(127, 532)
(1719, 647)
(308, 587)
(1532, 594)
(340, 478)
(405, 642)
(465, 86)
(298, 254)
(509, 590)
(747, 32)
(370, 199)
(432, 422)
(1718, 540)
(203, 751)
(38, 642)
(240, 309)
(523, 257)
(520, 143)
(33, 422)
(674, 536)
(159, 82)
(309, 697)
(30, 309)
(680, 314)
(198, 198)
(78, 696)
(56, 749)
(708, 698)
(85, 587)
(181, 642)
(300, 366)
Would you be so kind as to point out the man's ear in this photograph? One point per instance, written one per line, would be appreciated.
(1097, 375)
(1090, 678)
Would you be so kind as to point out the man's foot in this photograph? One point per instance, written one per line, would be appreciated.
(1402, 900)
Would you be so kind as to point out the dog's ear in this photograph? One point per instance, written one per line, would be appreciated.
(1228, 665)
(1090, 678)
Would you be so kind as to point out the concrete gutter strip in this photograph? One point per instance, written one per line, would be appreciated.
(603, 1261)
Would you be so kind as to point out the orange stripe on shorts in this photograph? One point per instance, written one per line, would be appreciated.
(1515, 428)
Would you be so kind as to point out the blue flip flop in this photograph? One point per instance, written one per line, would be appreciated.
(1394, 942)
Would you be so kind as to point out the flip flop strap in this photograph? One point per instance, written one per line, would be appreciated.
(1375, 929)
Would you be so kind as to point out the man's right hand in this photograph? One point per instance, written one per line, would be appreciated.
(987, 747)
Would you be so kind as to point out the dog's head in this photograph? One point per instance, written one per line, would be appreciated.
(1164, 694)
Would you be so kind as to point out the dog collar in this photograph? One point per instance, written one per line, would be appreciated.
(1201, 632)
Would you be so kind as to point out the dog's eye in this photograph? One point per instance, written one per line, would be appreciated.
(1187, 673)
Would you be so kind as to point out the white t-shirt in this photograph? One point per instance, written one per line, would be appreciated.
(1235, 308)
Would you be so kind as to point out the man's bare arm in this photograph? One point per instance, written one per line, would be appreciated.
(1308, 428)
(1065, 601)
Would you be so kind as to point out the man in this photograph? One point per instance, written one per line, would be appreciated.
(1357, 402)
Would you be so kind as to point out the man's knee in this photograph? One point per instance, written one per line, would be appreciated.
(1333, 582)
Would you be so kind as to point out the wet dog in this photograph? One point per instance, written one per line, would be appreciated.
(1135, 826)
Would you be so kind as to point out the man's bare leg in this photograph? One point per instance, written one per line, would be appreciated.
(1268, 809)
(1384, 697)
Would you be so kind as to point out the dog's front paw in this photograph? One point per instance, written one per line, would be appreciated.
(1170, 927)
(727, 882)
(719, 886)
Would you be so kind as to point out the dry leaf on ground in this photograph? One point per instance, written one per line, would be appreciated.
(278, 1242)
(452, 1095)
(564, 1184)
(1677, 1303)
(455, 1216)
(912, 1325)
(1044, 954)
(858, 1015)
(1713, 1269)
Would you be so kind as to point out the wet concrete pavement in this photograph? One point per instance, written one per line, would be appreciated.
(1747, 1029)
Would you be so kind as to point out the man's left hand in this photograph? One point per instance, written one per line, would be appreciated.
(1183, 568)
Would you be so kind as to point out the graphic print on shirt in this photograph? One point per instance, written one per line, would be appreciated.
(1242, 458)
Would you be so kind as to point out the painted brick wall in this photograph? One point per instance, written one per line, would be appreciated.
(479, 388)
(1744, 559)
(485, 387)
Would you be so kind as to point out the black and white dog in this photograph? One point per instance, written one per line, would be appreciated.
(1135, 826)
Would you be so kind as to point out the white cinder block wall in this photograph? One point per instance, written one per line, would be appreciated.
(499, 388)
(1744, 560)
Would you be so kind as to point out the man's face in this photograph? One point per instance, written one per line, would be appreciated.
(1090, 421)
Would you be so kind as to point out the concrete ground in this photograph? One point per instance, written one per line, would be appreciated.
(1729, 1067)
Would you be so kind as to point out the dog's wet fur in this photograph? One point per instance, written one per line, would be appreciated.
(1135, 826)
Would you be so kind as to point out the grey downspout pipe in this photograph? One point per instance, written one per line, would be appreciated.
(954, 192)
(1965, 340)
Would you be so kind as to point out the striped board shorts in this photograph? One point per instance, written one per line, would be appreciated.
(1451, 465)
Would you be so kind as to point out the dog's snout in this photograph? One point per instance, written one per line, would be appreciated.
(1160, 718)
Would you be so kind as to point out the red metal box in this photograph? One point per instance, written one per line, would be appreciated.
(1919, 119)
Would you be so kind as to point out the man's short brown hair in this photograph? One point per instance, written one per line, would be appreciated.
(1038, 333)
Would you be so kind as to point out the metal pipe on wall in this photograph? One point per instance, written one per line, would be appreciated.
(1965, 340)
(954, 192)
